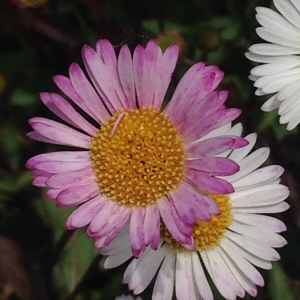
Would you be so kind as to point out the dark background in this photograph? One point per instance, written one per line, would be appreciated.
(38, 258)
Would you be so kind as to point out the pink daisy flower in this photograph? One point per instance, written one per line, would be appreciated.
(228, 247)
(139, 163)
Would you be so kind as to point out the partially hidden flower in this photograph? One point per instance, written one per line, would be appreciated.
(229, 247)
(279, 74)
(139, 162)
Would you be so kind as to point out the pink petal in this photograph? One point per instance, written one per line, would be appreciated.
(76, 195)
(59, 156)
(40, 178)
(146, 62)
(86, 91)
(101, 219)
(85, 213)
(209, 183)
(38, 137)
(136, 231)
(218, 166)
(165, 210)
(60, 133)
(202, 205)
(66, 112)
(102, 69)
(65, 84)
(184, 228)
(125, 72)
(185, 211)
(204, 126)
(119, 225)
(196, 83)
(112, 87)
(152, 226)
(53, 193)
(215, 146)
(73, 178)
(58, 167)
(166, 68)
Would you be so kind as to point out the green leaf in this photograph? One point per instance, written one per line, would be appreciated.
(280, 286)
(74, 262)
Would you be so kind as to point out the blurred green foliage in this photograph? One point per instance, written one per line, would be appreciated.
(38, 43)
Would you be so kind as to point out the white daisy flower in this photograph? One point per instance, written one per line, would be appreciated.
(279, 73)
(229, 247)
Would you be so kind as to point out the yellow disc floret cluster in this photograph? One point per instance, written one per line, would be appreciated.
(206, 234)
(138, 157)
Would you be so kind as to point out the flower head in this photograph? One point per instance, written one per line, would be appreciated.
(139, 163)
(228, 247)
(279, 74)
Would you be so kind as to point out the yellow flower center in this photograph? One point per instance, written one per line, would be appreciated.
(206, 234)
(138, 157)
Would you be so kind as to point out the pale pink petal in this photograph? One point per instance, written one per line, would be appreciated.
(112, 88)
(208, 183)
(205, 125)
(53, 193)
(196, 83)
(145, 70)
(40, 178)
(118, 226)
(152, 226)
(59, 156)
(218, 166)
(65, 84)
(214, 146)
(59, 167)
(73, 178)
(60, 133)
(66, 112)
(136, 231)
(39, 137)
(166, 68)
(103, 74)
(86, 91)
(85, 213)
(77, 194)
(101, 219)
(125, 72)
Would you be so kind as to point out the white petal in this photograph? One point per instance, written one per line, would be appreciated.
(253, 247)
(200, 278)
(164, 284)
(260, 221)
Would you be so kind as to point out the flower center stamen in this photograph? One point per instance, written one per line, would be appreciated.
(206, 234)
(138, 157)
